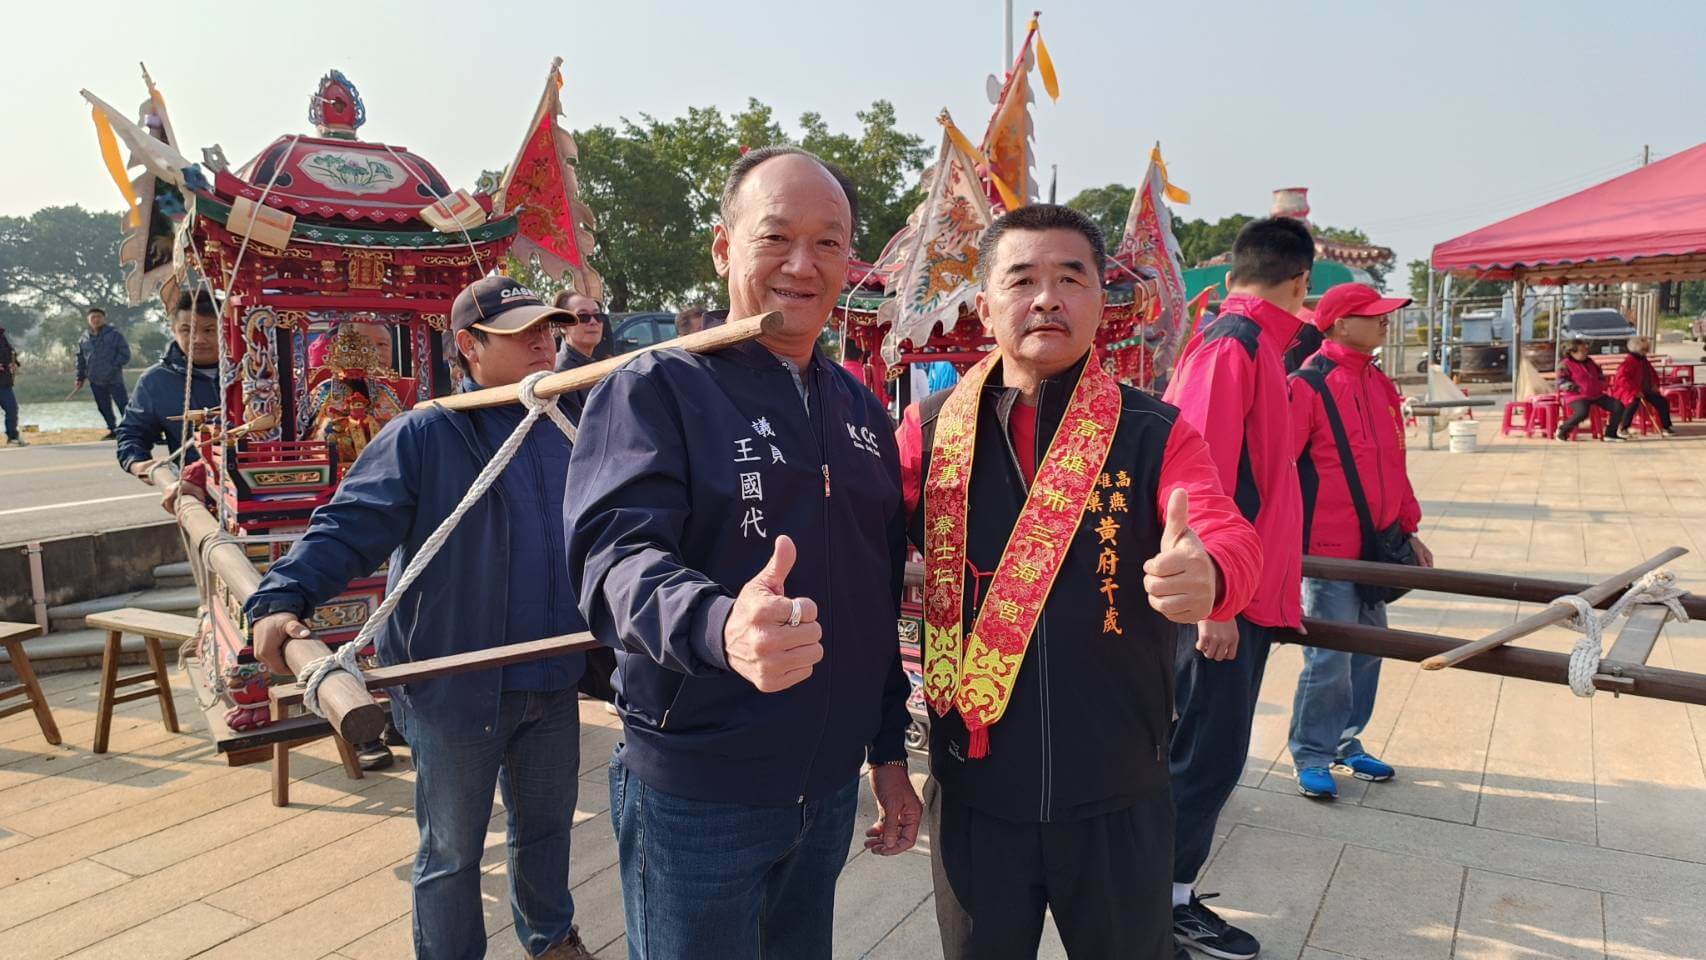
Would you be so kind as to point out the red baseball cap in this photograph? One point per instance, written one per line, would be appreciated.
(1354, 300)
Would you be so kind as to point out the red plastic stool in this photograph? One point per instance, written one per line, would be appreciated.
(1544, 416)
(1681, 400)
(1514, 407)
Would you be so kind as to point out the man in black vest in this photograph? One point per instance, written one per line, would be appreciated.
(1094, 504)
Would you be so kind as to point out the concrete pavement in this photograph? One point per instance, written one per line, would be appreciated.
(52, 491)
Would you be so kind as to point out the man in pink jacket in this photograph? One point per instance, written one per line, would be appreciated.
(1230, 385)
(1335, 692)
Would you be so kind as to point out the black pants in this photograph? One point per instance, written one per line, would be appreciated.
(105, 394)
(1659, 404)
(9, 406)
(1104, 878)
(1216, 702)
(1579, 414)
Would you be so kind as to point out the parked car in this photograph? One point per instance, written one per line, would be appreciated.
(1606, 331)
(636, 330)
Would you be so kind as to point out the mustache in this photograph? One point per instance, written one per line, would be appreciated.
(1037, 321)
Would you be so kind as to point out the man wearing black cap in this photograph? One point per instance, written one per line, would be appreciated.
(499, 579)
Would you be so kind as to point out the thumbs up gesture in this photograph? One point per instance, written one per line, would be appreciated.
(771, 639)
(1182, 580)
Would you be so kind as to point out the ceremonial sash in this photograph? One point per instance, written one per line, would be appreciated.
(976, 676)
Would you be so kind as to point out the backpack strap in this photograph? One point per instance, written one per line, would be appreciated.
(1315, 374)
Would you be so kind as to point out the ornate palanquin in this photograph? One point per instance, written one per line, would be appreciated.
(338, 259)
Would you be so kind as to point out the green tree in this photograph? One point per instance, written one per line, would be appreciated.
(1200, 240)
(62, 261)
(655, 187)
(652, 246)
(1418, 280)
(882, 161)
(1108, 206)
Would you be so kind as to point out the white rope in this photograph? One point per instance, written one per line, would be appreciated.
(315, 672)
(1658, 587)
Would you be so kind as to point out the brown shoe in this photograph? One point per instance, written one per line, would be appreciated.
(569, 948)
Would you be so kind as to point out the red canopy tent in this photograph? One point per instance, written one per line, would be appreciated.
(1646, 225)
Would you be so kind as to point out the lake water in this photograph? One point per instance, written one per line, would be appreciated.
(61, 414)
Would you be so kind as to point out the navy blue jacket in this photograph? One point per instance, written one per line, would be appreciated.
(159, 395)
(102, 357)
(405, 482)
(687, 466)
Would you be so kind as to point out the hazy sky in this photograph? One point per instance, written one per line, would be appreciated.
(1415, 121)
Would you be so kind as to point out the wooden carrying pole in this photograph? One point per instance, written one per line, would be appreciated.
(1467, 583)
(1525, 663)
(580, 378)
(349, 707)
(1553, 613)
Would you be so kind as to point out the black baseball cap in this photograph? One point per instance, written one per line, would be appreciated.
(500, 305)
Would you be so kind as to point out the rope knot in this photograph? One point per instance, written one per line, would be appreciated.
(532, 401)
(316, 671)
(1656, 587)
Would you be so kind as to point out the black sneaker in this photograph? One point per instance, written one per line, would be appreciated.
(1195, 925)
(1180, 953)
(374, 756)
(109, 435)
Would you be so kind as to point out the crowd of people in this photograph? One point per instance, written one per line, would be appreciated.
(1105, 573)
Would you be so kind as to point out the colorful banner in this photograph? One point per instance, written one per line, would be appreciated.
(1149, 249)
(939, 261)
(555, 227)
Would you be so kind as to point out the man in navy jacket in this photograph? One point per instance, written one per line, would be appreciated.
(499, 579)
(736, 529)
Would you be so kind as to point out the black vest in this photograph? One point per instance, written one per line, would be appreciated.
(1086, 729)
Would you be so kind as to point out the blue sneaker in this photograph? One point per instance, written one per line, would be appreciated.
(1364, 767)
(1317, 783)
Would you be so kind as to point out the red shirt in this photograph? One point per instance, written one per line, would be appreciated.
(1022, 423)
(1184, 463)
(1230, 385)
(1373, 415)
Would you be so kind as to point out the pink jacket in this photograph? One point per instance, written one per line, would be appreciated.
(1635, 377)
(1373, 415)
(1585, 374)
(1230, 385)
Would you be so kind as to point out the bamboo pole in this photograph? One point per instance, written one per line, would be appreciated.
(580, 378)
(1553, 613)
(349, 707)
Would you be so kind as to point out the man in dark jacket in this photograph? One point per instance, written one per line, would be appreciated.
(499, 579)
(736, 528)
(155, 415)
(102, 355)
(8, 400)
(1067, 523)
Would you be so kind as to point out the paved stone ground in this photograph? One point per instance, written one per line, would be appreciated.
(1525, 822)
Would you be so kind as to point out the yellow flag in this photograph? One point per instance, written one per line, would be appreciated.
(1175, 194)
(1009, 199)
(115, 164)
(1045, 63)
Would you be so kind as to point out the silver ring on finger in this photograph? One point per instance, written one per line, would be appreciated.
(794, 613)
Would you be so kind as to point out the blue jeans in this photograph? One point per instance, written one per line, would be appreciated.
(105, 394)
(9, 406)
(728, 880)
(533, 755)
(1335, 692)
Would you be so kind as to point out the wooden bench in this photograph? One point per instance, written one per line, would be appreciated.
(153, 626)
(12, 636)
